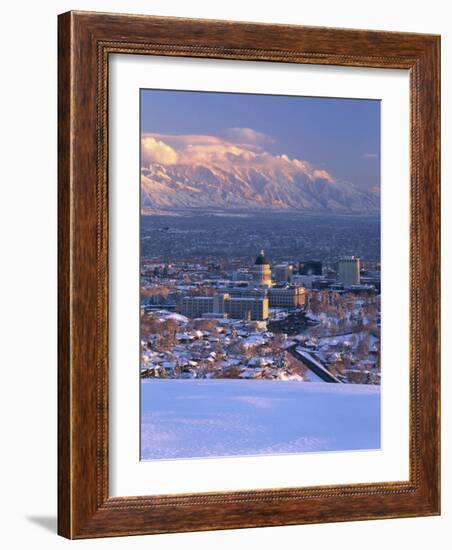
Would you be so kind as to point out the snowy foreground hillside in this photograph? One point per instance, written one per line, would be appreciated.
(202, 418)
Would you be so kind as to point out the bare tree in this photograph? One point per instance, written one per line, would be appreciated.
(294, 366)
(205, 324)
(160, 290)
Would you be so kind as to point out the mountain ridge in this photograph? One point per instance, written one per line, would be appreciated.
(283, 187)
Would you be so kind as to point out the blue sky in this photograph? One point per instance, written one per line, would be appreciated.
(341, 136)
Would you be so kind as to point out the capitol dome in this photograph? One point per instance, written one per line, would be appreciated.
(262, 259)
(261, 272)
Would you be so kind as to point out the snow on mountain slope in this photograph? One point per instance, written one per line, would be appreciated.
(201, 418)
(244, 187)
(206, 171)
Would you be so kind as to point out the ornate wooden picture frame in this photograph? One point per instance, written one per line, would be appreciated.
(86, 40)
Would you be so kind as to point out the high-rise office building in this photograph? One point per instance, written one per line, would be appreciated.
(349, 271)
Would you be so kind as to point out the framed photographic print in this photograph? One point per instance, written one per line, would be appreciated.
(248, 275)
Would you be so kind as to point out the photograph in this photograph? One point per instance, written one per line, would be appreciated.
(260, 274)
(235, 227)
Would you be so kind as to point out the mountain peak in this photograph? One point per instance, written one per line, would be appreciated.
(209, 172)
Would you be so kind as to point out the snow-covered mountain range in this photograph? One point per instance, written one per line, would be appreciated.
(184, 186)
(218, 174)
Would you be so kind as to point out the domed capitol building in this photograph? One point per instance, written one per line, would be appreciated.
(261, 271)
(250, 301)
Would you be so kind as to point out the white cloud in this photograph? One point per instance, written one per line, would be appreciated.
(153, 150)
(323, 175)
(247, 136)
(369, 156)
(180, 141)
(192, 149)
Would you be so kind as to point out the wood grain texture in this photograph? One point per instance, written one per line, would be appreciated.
(85, 42)
(64, 295)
